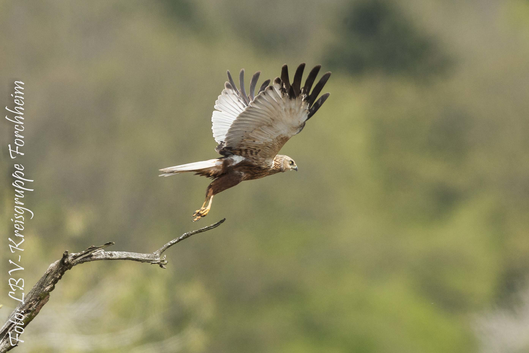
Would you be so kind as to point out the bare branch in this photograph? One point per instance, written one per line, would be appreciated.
(40, 293)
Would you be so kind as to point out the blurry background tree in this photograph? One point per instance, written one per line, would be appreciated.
(374, 36)
(409, 233)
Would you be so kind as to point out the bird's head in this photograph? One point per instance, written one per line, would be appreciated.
(286, 163)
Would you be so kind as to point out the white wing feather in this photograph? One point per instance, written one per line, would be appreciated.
(268, 122)
(258, 127)
(228, 107)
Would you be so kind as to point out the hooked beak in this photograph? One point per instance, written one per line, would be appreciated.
(295, 168)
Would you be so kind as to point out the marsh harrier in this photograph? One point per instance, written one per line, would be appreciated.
(250, 129)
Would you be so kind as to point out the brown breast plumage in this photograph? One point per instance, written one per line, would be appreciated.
(250, 171)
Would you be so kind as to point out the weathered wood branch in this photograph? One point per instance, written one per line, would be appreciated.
(40, 293)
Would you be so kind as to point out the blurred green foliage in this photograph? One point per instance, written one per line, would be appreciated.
(407, 219)
(375, 36)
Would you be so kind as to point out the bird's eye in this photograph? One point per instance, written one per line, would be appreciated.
(291, 162)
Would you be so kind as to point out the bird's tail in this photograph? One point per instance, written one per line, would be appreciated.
(206, 168)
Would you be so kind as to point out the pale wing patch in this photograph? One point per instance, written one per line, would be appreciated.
(237, 159)
(267, 124)
(227, 108)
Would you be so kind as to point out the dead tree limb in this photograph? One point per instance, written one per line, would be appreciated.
(40, 293)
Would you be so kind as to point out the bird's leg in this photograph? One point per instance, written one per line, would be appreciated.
(220, 184)
(203, 211)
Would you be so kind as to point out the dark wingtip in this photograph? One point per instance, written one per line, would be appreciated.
(253, 83)
(310, 79)
(317, 105)
(284, 78)
(263, 86)
(291, 92)
(297, 79)
(319, 86)
(232, 83)
(243, 90)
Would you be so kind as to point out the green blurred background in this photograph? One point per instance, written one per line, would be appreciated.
(405, 229)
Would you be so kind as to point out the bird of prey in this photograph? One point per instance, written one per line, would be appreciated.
(250, 129)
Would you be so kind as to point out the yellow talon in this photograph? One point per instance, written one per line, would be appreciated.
(203, 211)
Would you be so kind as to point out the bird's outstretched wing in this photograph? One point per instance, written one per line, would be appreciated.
(264, 123)
(231, 103)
